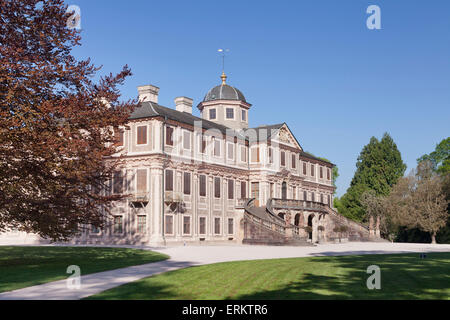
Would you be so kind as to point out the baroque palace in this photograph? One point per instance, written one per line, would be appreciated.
(212, 179)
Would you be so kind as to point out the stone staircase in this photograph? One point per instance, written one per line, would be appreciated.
(261, 227)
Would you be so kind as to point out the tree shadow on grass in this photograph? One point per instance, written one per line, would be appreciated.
(402, 277)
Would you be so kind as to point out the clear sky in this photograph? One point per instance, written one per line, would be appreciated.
(312, 64)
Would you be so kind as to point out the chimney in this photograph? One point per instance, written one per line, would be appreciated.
(184, 104)
(148, 93)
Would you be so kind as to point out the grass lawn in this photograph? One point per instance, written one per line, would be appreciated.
(403, 276)
(27, 266)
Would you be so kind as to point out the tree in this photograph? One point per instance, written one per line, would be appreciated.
(440, 162)
(56, 124)
(378, 168)
(419, 201)
(439, 158)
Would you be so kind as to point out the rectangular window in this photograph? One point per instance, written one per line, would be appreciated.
(321, 198)
(328, 174)
(313, 197)
(169, 180)
(321, 172)
(212, 114)
(142, 224)
(118, 182)
(255, 190)
(186, 225)
(169, 224)
(272, 195)
(230, 113)
(230, 226)
(119, 135)
(202, 225)
(187, 140)
(244, 115)
(243, 190)
(304, 168)
(202, 188)
(216, 225)
(118, 224)
(95, 230)
(312, 170)
(187, 183)
(243, 154)
(305, 195)
(230, 189)
(270, 155)
(283, 158)
(169, 136)
(230, 151)
(294, 192)
(217, 187)
(329, 200)
(142, 135)
(141, 180)
(216, 147)
(255, 154)
(294, 159)
(202, 144)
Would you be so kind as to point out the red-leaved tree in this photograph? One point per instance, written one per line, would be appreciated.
(55, 128)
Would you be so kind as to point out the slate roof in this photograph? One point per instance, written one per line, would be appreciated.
(224, 92)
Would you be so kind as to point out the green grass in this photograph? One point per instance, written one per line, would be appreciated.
(27, 266)
(403, 276)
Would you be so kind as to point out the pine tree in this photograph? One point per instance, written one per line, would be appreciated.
(378, 168)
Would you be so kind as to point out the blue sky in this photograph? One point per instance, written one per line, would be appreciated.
(312, 64)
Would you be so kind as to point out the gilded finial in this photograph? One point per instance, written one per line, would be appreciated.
(224, 78)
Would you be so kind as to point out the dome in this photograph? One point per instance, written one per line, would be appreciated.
(224, 92)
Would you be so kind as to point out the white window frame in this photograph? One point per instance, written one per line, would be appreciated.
(270, 160)
(228, 226)
(206, 225)
(173, 224)
(137, 223)
(190, 140)
(220, 226)
(243, 111)
(251, 153)
(209, 114)
(214, 148)
(146, 138)
(228, 153)
(234, 113)
(190, 225)
(245, 152)
(200, 143)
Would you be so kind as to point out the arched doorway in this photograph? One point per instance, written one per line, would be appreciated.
(284, 190)
(297, 219)
(310, 224)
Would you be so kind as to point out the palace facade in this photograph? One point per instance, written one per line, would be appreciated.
(213, 179)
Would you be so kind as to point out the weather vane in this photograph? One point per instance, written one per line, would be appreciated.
(223, 51)
(223, 76)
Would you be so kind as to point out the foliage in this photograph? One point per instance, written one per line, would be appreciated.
(55, 123)
(378, 168)
(418, 201)
(440, 157)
